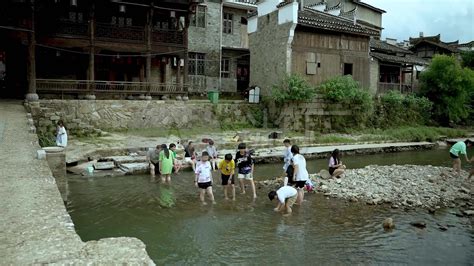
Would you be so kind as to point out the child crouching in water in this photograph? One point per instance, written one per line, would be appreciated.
(227, 167)
(204, 178)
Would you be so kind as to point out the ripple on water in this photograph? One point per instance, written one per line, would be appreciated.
(319, 232)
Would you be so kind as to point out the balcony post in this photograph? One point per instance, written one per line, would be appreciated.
(149, 28)
(91, 67)
(31, 61)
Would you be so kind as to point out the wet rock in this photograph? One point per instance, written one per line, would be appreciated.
(442, 227)
(464, 190)
(468, 212)
(134, 168)
(324, 187)
(353, 199)
(395, 206)
(431, 210)
(418, 224)
(104, 165)
(388, 224)
(324, 174)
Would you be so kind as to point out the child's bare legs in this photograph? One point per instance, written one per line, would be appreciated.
(177, 167)
(252, 185)
(201, 196)
(242, 185)
(233, 191)
(168, 179)
(163, 178)
(338, 172)
(225, 192)
(210, 194)
(457, 166)
(300, 196)
(152, 170)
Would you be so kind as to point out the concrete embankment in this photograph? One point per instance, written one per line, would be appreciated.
(35, 227)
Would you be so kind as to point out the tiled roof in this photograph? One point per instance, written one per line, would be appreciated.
(440, 45)
(382, 46)
(406, 59)
(284, 3)
(316, 19)
(468, 44)
(435, 38)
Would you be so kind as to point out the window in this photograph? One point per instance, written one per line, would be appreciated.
(199, 18)
(225, 68)
(347, 69)
(227, 23)
(197, 64)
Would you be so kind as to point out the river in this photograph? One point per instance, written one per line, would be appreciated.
(322, 231)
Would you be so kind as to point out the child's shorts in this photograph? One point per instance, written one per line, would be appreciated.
(225, 179)
(290, 201)
(248, 176)
(205, 185)
(300, 184)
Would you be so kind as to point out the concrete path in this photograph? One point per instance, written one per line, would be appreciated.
(35, 227)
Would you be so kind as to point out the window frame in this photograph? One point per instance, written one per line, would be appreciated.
(228, 23)
(225, 67)
(196, 20)
(197, 64)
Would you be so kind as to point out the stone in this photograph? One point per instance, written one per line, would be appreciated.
(324, 174)
(104, 165)
(418, 224)
(148, 98)
(464, 190)
(126, 159)
(32, 129)
(324, 187)
(185, 98)
(134, 168)
(468, 212)
(32, 97)
(164, 97)
(40, 154)
(179, 98)
(353, 199)
(54, 118)
(388, 224)
(442, 228)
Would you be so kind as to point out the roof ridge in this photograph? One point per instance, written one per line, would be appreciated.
(327, 14)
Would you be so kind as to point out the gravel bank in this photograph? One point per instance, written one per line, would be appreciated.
(405, 186)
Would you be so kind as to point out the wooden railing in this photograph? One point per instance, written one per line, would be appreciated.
(101, 87)
(108, 32)
(386, 87)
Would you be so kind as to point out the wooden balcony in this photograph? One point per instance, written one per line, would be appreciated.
(82, 87)
(386, 87)
(112, 33)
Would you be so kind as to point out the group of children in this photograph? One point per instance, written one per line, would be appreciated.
(243, 163)
(163, 161)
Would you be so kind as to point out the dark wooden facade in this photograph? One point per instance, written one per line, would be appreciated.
(70, 42)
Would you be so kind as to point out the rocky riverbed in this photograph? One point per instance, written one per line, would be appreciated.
(399, 186)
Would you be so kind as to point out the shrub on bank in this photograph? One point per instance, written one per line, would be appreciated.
(293, 88)
(396, 109)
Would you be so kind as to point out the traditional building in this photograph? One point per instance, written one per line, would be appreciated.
(218, 45)
(393, 68)
(468, 46)
(314, 40)
(86, 47)
(427, 47)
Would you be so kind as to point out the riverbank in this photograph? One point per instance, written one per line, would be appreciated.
(35, 226)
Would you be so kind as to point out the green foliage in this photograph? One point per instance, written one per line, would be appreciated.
(256, 115)
(450, 88)
(46, 139)
(396, 109)
(467, 59)
(292, 88)
(347, 91)
(417, 133)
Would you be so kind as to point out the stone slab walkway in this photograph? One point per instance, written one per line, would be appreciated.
(35, 227)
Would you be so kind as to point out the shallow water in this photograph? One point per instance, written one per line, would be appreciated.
(322, 231)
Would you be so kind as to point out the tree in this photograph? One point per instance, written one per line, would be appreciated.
(450, 88)
(468, 59)
(293, 88)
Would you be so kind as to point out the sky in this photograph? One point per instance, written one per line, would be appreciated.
(453, 19)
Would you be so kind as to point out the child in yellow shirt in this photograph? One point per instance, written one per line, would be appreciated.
(227, 167)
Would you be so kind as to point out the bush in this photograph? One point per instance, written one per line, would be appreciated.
(293, 88)
(396, 109)
(450, 88)
(46, 139)
(346, 90)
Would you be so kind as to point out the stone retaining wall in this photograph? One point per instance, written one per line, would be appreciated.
(318, 115)
(86, 116)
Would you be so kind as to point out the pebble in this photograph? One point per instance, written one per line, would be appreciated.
(419, 224)
(388, 224)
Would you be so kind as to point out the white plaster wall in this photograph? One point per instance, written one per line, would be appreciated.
(288, 13)
(267, 6)
(252, 24)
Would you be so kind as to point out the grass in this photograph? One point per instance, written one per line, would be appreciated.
(412, 134)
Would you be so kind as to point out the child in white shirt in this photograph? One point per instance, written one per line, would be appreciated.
(204, 178)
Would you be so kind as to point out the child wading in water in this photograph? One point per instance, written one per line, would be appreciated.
(246, 166)
(227, 167)
(166, 163)
(177, 164)
(204, 178)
